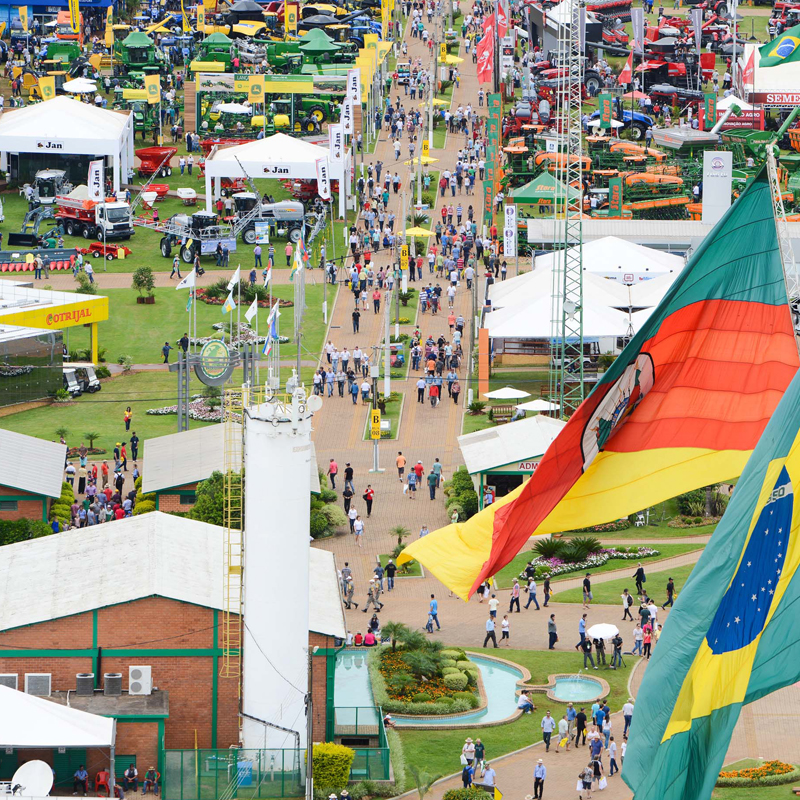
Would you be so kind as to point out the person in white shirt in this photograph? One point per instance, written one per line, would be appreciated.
(505, 631)
(563, 733)
(493, 603)
(612, 757)
(622, 751)
(489, 776)
(548, 726)
(627, 714)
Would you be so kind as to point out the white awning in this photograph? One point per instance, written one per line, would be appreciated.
(29, 721)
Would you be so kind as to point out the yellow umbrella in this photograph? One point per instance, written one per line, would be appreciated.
(436, 100)
(452, 59)
(418, 232)
(425, 160)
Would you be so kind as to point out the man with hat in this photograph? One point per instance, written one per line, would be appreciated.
(539, 774)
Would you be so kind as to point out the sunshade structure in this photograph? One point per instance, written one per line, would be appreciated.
(316, 41)
(417, 231)
(425, 160)
(602, 630)
(634, 96)
(595, 123)
(278, 156)
(726, 102)
(537, 405)
(452, 59)
(68, 127)
(80, 86)
(543, 190)
(507, 393)
(27, 721)
(234, 108)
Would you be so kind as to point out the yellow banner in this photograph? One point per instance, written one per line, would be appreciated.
(134, 94)
(290, 15)
(375, 423)
(201, 17)
(23, 17)
(384, 19)
(255, 92)
(74, 15)
(371, 41)
(404, 257)
(110, 15)
(187, 26)
(95, 59)
(152, 85)
(442, 52)
(47, 86)
(108, 38)
(241, 85)
(425, 148)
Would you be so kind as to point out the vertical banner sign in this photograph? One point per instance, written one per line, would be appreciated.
(487, 201)
(582, 23)
(495, 108)
(404, 257)
(375, 423)
(74, 15)
(152, 85)
(95, 181)
(323, 178)
(47, 86)
(426, 149)
(510, 232)
(637, 22)
(710, 110)
(606, 112)
(443, 52)
(291, 17)
(187, 26)
(354, 85)
(346, 118)
(335, 142)
(615, 197)
(255, 89)
(697, 24)
(384, 19)
(201, 18)
(717, 184)
(23, 17)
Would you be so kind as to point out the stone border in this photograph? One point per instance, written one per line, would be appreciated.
(549, 689)
(451, 721)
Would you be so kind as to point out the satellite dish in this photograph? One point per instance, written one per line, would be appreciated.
(34, 778)
(314, 403)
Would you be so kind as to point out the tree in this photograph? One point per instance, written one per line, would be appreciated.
(395, 631)
(210, 503)
(400, 532)
(421, 663)
(62, 432)
(91, 436)
(143, 281)
(422, 780)
(212, 396)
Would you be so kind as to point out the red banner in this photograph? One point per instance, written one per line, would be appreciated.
(749, 71)
(746, 119)
(627, 71)
(502, 20)
(485, 58)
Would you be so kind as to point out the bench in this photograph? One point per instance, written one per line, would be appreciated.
(502, 414)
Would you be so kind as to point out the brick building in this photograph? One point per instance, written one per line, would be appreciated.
(174, 464)
(141, 592)
(31, 473)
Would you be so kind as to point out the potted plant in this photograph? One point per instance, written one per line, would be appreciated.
(144, 282)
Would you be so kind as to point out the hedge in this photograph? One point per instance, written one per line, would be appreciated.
(456, 655)
(20, 530)
(448, 662)
(421, 697)
(451, 671)
(143, 507)
(473, 793)
(468, 697)
(456, 682)
(332, 764)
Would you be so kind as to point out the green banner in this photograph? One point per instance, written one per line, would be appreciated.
(606, 111)
(494, 120)
(710, 108)
(615, 197)
(487, 202)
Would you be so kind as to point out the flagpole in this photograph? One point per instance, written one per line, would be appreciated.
(258, 360)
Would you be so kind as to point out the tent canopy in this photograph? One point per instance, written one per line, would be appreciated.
(275, 156)
(137, 39)
(545, 188)
(29, 721)
(727, 102)
(217, 38)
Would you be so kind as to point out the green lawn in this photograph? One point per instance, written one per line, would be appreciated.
(438, 751)
(756, 793)
(393, 412)
(651, 533)
(414, 567)
(475, 422)
(609, 593)
(506, 575)
(103, 412)
(141, 330)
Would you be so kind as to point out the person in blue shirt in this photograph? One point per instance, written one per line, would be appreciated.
(571, 715)
(81, 780)
(434, 612)
(539, 775)
(581, 632)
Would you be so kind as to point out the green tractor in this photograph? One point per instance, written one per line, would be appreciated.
(64, 52)
(217, 47)
(137, 53)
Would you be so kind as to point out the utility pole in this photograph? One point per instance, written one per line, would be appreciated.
(387, 349)
(375, 371)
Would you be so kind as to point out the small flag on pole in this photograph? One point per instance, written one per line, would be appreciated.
(268, 275)
(272, 333)
(230, 304)
(252, 311)
(189, 281)
(189, 301)
(234, 280)
(297, 264)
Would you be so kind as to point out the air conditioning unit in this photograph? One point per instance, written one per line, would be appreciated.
(112, 684)
(140, 680)
(38, 683)
(84, 684)
(9, 679)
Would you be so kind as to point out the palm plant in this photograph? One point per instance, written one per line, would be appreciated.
(399, 532)
(91, 436)
(62, 432)
(414, 640)
(423, 781)
(401, 681)
(548, 548)
(395, 631)
(420, 663)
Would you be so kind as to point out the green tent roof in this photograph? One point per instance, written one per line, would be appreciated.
(137, 39)
(217, 38)
(545, 187)
(316, 35)
(320, 47)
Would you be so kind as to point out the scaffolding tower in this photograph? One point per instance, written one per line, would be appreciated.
(566, 338)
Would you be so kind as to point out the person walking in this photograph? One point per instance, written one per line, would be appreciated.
(586, 646)
(546, 589)
(581, 632)
(368, 497)
(670, 594)
(400, 463)
(587, 590)
(640, 579)
(627, 602)
(552, 632)
(539, 776)
(391, 570)
(563, 733)
(350, 591)
(612, 757)
(490, 632)
(358, 529)
(333, 471)
(515, 592)
(580, 727)
(532, 593)
(433, 610)
(433, 481)
(165, 351)
(548, 726)
(627, 715)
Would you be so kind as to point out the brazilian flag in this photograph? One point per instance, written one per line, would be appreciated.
(734, 634)
(783, 49)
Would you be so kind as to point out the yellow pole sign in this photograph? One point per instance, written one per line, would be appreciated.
(375, 423)
(404, 257)
(290, 16)
(201, 18)
(152, 85)
(255, 89)
(74, 15)
(23, 17)
(426, 149)
(443, 51)
(47, 86)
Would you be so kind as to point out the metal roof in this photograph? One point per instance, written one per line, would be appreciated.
(515, 441)
(30, 464)
(175, 558)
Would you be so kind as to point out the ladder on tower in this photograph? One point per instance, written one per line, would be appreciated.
(233, 402)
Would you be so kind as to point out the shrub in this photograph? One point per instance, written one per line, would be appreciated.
(85, 286)
(472, 793)
(332, 764)
(451, 671)
(20, 530)
(143, 507)
(692, 503)
(476, 407)
(449, 662)
(318, 525)
(456, 682)
(102, 372)
(421, 697)
(447, 700)
(454, 654)
(328, 496)
(149, 497)
(468, 697)
(549, 548)
(770, 773)
(584, 545)
(143, 281)
(335, 516)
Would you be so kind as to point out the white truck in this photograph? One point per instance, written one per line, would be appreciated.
(91, 219)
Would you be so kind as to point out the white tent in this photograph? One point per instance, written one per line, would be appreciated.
(29, 721)
(622, 260)
(278, 156)
(63, 126)
(651, 293)
(727, 102)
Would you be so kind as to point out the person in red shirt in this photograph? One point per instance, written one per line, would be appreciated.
(369, 496)
(333, 471)
(104, 473)
(419, 469)
(359, 640)
(119, 513)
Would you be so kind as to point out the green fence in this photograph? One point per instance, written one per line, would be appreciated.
(370, 763)
(232, 773)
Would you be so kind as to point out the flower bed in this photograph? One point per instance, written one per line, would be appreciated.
(606, 527)
(218, 301)
(557, 566)
(198, 409)
(770, 773)
(244, 335)
(692, 522)
(74, 452)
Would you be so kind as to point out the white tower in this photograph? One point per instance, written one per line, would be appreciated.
(277, 459)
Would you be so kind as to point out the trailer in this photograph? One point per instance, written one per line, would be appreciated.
(91, 219)
(102, 250)
(155, 160)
